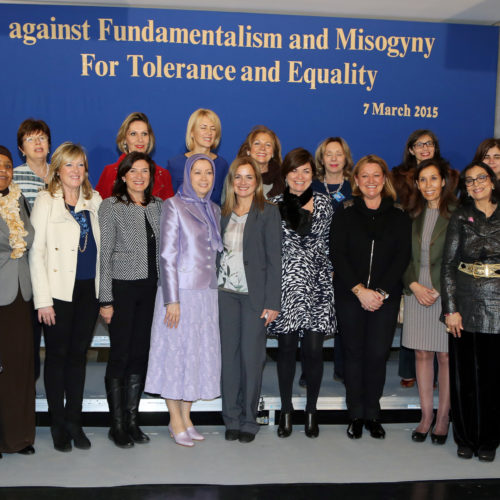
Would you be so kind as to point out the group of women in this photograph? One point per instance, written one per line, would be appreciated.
(190, 290)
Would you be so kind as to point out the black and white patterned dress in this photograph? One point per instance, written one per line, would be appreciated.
(307, 301)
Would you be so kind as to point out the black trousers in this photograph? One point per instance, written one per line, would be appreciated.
(474, 382)
(367, 340)
(312, 355)
(66, 345)
(130, 327)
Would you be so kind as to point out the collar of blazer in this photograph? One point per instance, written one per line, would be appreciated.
(195, 211)
(60, 210)
(441, 225)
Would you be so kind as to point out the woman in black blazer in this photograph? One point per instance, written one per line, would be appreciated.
(370, 245)
(130, 232)
(249, 281)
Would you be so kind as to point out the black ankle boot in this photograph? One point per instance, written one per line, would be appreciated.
(80, 440)
(311, 426)
(285, 425)
(134, 388)
(114, 393)
(60, 438)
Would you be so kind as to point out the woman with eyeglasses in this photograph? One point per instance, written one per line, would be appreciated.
(33, 141)
(470, 287)
(489, 152)
(421, 145)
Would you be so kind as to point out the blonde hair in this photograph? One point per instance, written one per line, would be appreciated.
(192, 122)
(67, 151)
(320, 152)
(136, 116)
(388, 190)
(230, 202)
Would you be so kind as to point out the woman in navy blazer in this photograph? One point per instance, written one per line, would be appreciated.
(249, 281)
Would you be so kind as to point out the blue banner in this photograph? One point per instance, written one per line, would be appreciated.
(82, 70)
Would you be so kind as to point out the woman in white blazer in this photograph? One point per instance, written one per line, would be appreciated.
(64, 263)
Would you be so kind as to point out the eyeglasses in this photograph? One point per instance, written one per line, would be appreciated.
(422, 145)
(34, 138)
(480, 179)
(491, 157)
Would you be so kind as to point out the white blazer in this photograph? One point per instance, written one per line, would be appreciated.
(54, 254)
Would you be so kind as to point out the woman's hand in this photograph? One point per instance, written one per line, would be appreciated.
(172, 315)
(454, 324)
(270, 315)
(107, 313)
(425, 296)
(370, 299)
(47, 315)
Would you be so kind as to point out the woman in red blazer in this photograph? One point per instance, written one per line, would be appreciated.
(135, 134)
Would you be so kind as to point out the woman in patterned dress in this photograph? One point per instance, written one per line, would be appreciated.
(307, 306)
(422, 329)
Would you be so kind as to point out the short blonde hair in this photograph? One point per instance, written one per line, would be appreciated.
(230, 201)
(192, 122)
(136, 116)
(67, 151)
(388, 190)
(320, 152)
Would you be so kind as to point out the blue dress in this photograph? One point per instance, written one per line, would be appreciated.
(176, 168)
(346, 191)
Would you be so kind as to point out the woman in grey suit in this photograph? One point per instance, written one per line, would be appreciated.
(130, 227)
(249, 281)
(17, 387)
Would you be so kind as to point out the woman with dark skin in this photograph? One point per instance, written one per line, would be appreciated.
(17, 387)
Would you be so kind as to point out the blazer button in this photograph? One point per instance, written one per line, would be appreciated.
(55, 270)
(245, 262)
(57, 249)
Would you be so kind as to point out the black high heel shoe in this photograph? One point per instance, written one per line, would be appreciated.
(311, 428)
(355, 429)
(285, 425)
(419, 437)
(439, 438)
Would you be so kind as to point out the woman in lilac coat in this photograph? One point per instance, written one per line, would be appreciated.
(184, 359)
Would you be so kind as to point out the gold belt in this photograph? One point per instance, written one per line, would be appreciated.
(480, 270)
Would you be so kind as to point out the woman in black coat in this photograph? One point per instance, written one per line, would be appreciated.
(370, 245)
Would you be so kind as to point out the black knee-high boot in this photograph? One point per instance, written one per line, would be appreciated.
(134, 388)
(117, 432)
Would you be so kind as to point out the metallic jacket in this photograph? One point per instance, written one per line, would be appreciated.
(472, 237)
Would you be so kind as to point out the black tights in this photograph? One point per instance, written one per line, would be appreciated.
(312, 347)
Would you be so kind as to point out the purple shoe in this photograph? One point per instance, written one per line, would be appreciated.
(194, 434)
(182, 438)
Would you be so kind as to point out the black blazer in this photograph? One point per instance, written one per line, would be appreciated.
(372, 247)
(261, 256)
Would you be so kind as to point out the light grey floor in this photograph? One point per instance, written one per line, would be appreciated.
(332, 458)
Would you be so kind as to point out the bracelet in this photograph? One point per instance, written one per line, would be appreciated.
(357, 289)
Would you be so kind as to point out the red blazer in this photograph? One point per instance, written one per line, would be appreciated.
(162, 186)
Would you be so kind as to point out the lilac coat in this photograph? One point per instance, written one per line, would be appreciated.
(187, 259)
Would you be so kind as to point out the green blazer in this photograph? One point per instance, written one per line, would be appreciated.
(436, 252)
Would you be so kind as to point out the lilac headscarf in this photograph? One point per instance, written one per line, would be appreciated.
(188, 195)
